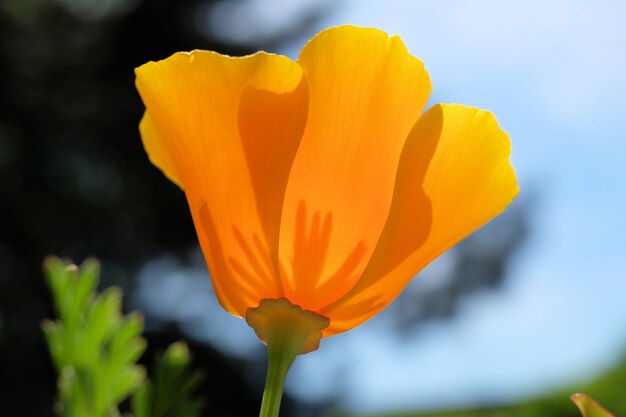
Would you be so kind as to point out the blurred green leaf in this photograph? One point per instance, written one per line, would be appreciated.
(93, 346)
(588, 407)
(95, 349)
(170, 393)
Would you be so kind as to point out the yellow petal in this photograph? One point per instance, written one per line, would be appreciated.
(157, 150)
(453, 177)
(227, 129)
(366, 92)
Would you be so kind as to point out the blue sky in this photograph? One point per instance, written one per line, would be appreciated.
(553, 72)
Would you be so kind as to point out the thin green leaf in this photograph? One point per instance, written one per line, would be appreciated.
(87, 282)
(52, 331)
(57, 275)
(588, 407)
(140, 401)
(170, 394)
(127, 345)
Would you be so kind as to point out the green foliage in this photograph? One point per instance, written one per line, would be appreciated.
(168, 395)
(94, 347)
(95, 351)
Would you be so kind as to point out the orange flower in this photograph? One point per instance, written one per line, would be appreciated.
(320, 182)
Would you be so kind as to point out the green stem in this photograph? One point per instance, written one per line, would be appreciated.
(287, 330)
(279, 362)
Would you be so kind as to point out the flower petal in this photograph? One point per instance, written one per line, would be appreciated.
(453, 177)
(366, 92)
(156, 148)
(227, 129)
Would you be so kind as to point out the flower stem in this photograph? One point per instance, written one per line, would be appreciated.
(279, 362)
(287, 330)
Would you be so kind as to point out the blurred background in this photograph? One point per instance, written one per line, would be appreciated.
(526, 311)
